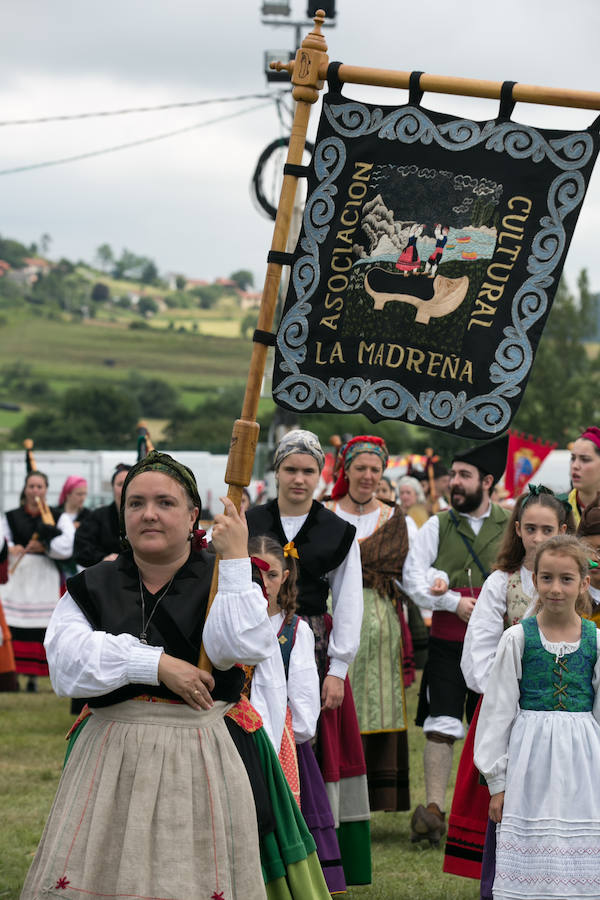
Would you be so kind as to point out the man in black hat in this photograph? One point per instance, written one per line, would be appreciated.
(452, 554)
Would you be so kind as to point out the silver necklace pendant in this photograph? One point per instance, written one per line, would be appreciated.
(146, 622)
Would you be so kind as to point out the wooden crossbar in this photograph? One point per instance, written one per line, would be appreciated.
(466, 87)
(470, 87)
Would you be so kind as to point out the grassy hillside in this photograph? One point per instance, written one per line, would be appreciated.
(63, 353)
(199, 353)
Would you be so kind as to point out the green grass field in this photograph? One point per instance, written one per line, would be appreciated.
(32, 748)
(68, 354)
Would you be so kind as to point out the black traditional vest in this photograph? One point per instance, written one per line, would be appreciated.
(23, 526)
(108, 594)
(97, 536)
(322, 543)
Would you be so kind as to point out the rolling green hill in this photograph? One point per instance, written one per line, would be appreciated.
(62, 354)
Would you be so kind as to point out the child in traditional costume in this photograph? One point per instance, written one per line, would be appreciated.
(328, 559)
(503, 601)
(538, 737)
(296, 755)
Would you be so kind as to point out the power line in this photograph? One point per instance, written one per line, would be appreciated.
(148, 140)
(133, 109)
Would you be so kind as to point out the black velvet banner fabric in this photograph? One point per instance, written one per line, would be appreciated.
(430, 253)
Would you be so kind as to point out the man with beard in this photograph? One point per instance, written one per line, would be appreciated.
(450, 558)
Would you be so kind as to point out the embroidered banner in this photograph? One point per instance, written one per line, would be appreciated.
(429, 256)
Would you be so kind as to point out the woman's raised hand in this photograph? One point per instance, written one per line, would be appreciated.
(230, 532)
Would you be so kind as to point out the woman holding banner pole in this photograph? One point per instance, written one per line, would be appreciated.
(155, 766)
(169, 755)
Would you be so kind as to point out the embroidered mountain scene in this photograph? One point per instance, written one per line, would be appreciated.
(426, 240)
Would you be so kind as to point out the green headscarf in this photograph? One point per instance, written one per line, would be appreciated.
(161, 462)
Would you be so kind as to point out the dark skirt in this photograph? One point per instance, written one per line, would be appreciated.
(469, 814)
(488, 865)
(319, 818)
(386, 755)
(28, 647)
(341, 759)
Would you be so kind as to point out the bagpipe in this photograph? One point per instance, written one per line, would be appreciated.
(144, 443)
(44, 510)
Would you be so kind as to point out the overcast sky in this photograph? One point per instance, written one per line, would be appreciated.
(186, 201)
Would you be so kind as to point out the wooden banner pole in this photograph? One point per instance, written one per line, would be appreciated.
(466, 87)
(311, 58)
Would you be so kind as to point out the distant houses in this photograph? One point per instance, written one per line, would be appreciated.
(28, 273)
(250, 299)
(32, 268)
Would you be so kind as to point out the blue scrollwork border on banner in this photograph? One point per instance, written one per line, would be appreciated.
(489, 412)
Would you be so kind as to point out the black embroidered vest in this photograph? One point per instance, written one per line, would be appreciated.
(108, 594)
(322, 543)
(23, 526)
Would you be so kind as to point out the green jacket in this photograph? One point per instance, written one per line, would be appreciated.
(453, 556)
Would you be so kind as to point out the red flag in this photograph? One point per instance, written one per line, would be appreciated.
(525, 456)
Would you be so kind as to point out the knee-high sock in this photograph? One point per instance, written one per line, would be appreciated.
(437, 763)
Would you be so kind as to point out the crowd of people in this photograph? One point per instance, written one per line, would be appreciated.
(263, 768)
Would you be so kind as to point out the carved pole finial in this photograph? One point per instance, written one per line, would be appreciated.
(315, 39)
(309, 58)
